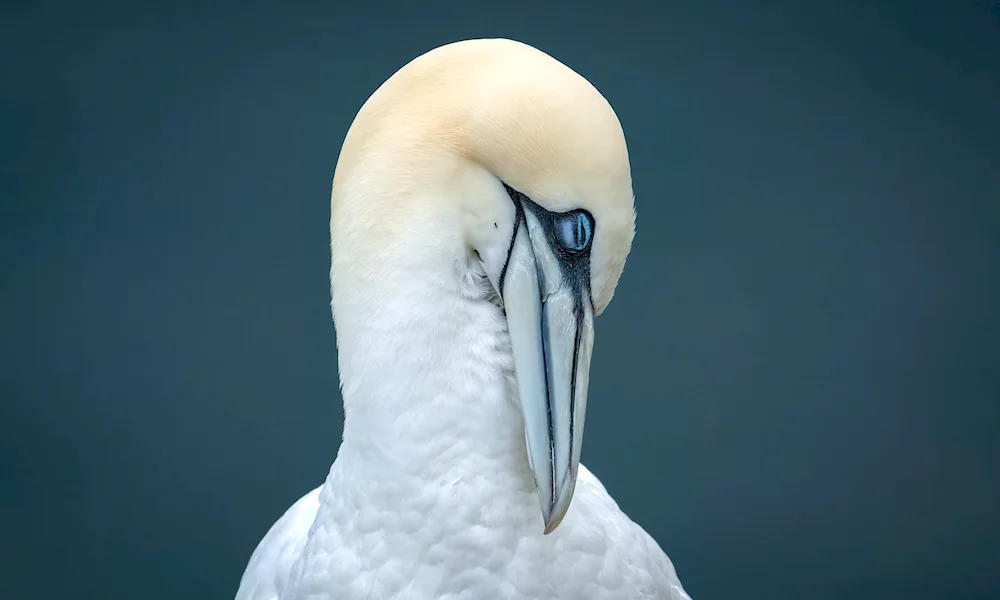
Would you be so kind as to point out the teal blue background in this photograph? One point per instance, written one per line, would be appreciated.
(796, 389)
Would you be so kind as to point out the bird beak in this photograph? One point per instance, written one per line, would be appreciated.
(550, 317)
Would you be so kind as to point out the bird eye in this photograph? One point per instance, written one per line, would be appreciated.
(574, 230)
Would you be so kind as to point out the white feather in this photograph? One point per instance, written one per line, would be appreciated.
(597, 553)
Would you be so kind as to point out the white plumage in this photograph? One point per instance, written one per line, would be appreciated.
(602, 555)
(446, 454)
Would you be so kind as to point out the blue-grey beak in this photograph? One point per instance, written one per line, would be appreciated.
(545, 290)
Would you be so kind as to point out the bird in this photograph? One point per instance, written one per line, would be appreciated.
(481, 214)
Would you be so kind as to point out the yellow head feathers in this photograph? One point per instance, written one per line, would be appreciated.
(452, 124)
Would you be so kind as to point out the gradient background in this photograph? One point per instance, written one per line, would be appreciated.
(796, 389)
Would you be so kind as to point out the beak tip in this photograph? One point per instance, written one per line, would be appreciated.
(550, 525)
(554, 516)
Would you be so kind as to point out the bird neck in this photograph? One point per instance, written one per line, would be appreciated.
(427, 377)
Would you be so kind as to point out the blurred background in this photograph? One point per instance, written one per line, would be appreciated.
(796, 390)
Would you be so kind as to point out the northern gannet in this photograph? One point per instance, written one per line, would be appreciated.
(481, 214)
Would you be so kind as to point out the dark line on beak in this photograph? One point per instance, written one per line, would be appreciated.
(572, 379)
(518, 217)
(548, 408)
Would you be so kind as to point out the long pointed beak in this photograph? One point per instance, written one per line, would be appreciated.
(551, 322)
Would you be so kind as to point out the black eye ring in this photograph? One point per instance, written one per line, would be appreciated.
(574, 230)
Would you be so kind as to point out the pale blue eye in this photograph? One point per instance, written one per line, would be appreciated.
(573, 230)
